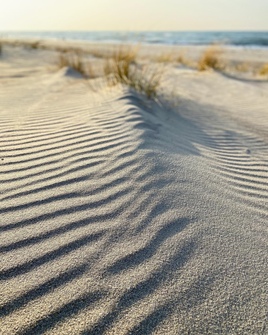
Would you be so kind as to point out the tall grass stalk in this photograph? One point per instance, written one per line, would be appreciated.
(264, 70)
(73, 60)
(77, 61)
(123, 68)
(168, 57)
(211, 58)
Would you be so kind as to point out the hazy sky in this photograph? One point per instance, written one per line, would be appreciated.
(133, 15)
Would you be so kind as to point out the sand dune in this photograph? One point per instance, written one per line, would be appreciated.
(121, 215)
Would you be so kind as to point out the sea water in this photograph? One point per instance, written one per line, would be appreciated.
(234, 38)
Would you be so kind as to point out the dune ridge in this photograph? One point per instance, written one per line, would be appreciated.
(121, 215)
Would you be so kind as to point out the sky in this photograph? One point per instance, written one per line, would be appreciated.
(129, 15)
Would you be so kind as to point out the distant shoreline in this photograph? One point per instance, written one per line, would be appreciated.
(250, 39)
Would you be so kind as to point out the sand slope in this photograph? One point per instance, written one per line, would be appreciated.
(123, 216)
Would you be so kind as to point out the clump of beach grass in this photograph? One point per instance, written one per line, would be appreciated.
(211, 59)
(264, 70)
(171, 57)
(242, 67)
(123, 68)
(97, 53)
(118, 68)
(168, 57)
(34, 45)
(147, 80)
(185, 61)
(77, 61)
(72, 60)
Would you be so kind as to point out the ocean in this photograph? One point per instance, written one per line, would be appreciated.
(254, 39)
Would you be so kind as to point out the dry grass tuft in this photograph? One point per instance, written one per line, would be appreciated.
(118, 68)
(182, 59)
(34, 45)
(211, 59)
(77, 61)
(73, 60)
(97, 53)
(24, 44)
(147, 81)
(166, 58)
(173, 58)
(264, 70)
(122, 68)
(242, 67)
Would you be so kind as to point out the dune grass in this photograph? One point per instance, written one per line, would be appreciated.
(168, 57)
(185, 61)
(211, 59)
(75, 61)
(98, 53)
(147, 81)
(264, 70)
(123, 68)
(34, 45)
(72, 60)
(172, 57)
(118, 67)
(242, 67)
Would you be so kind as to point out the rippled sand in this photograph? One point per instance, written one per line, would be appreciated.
(121, 215)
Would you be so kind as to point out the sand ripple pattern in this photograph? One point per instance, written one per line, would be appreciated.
(78, 187)
(103, 229)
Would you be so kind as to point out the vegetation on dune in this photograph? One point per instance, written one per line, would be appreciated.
(242, 67)
(182, 59)
(97, 53)
(123, 65)
(119, 67)
(76, 61)
(172, 57)
(122, 68)
(264, 70)
(34, 45)
(72, 60)
(26, 44)
(211, 59)
(166, 58)
(147, 81)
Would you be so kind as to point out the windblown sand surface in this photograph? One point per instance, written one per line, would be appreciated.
(126, 216)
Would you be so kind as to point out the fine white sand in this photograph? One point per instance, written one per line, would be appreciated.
(121, 215)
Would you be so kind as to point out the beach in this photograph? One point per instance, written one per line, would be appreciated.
(127, 215)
